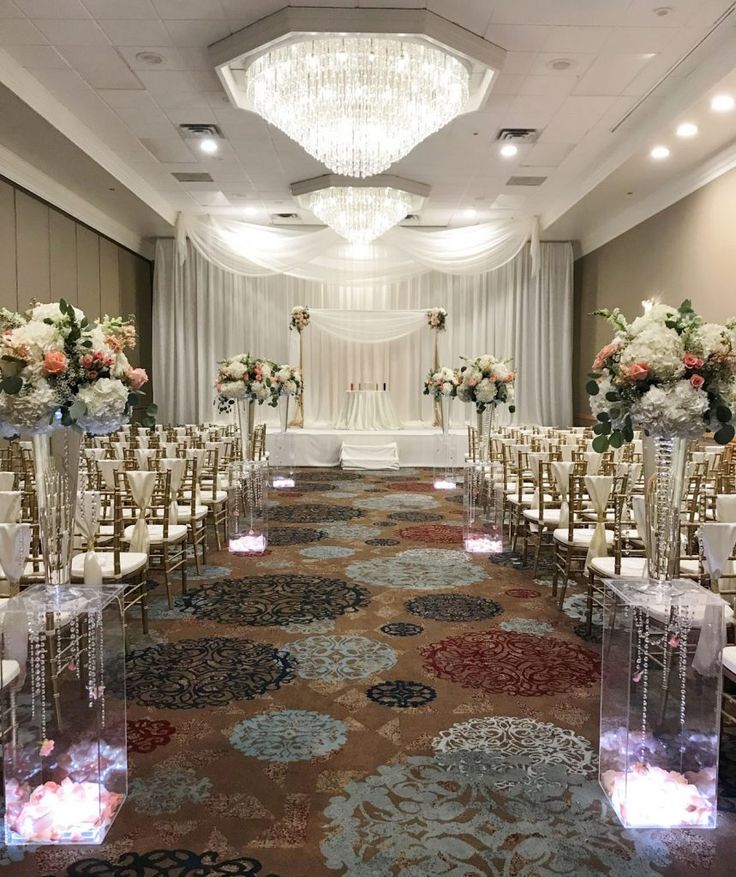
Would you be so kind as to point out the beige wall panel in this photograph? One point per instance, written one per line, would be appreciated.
(32, 248)
(88, 272)
(109, 278)
(63, 257)
(686, 251)
(8, 286)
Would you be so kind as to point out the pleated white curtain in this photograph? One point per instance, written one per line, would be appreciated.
(202, 314)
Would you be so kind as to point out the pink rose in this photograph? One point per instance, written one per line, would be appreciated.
(54, 362)
(472, 382)
(137, 378)
(637, 372)
(692, 361)
(604, 353)
(697, 381)
(47, 747)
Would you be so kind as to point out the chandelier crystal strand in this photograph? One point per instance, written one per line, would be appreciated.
(360, 214)
(357, 103)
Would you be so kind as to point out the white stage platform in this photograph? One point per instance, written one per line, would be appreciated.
(321, 447)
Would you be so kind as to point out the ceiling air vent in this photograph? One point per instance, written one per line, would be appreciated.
(199, 130)
(184, 177)
(285, 218)
(411, 219)
(525, 181)
(518, 135)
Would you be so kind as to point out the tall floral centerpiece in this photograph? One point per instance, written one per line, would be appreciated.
(245, 379)
(63, 375)
(441, 384)
(672, 375)
(288, 384)
(298, 322)
(437, 322)
(487, 382)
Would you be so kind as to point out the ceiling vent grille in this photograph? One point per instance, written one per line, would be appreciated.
(184, 177)
(525, 181)
(285, 218)
(199, 130)
(518, 135)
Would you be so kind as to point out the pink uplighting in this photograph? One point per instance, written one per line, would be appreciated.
(650, 797)
(280, 482)
(444, 484)
(251, 543)
(483, 545)
(52, 812)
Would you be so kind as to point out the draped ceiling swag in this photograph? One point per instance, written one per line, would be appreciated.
(322, 255)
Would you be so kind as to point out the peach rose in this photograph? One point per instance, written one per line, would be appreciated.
(692, 361)
(137, 378)
(697, 381)
(637, 372)
(604, 353)
(54, 362)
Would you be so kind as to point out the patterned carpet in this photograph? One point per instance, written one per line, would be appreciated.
(368, 701)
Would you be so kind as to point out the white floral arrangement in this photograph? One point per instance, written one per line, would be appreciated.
(288, 381)
(299, 318)
(442, 382)
(60, 369)
(668, 372)
(486, 380)
(436, 318)
(246, 377)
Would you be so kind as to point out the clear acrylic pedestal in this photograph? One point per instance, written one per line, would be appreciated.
(483, 508)
(661, 702)
(66, 763)
(247, 521)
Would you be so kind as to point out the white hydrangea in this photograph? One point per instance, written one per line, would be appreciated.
(232, 389)
(32, 410)
(712, 338)
(485, 391)
(677, 410)
(657, 315)
(260, 391)
(39, 338)
(105, 399)
(120, 366)
(661, 349)
(236, 370)
(52, 311)
(599, 403)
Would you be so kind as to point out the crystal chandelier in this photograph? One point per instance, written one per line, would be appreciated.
(357, 103)
(359, 213)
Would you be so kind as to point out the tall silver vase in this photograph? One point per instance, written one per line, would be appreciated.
(246, 410)
(56, 471)
(665, 459)
(484, 421)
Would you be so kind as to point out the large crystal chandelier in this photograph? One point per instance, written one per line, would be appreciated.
(359, 214)
(357, 103)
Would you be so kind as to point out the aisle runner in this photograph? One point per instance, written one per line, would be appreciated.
(368, 701)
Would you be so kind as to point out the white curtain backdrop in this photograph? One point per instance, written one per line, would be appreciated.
(202, 314)
(323, 256)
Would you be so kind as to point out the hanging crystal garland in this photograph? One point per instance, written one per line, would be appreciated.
(357, 103)
(359, 214)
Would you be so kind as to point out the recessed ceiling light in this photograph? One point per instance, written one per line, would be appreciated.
(152, 58)
(722, 103)
(509, 150)
(661, 11)
(560, 63)
(687, 129)
(250, 211)
(208, 145)
(660, 152)
(470, 213)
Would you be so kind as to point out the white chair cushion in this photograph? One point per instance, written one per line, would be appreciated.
(631, 567)
(184, 512)
(208, 499)
(130, 562)
(729, 659)
(9, 671)
(551, 517)
(177, 532)
(581, 538)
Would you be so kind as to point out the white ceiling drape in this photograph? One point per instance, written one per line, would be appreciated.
(202, 314)
(367, 327)
(323, 256)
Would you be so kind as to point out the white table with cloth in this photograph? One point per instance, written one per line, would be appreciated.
(368, 410)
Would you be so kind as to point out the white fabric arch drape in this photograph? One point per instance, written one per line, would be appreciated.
(202, 314)
(323, 256)
(367, 327)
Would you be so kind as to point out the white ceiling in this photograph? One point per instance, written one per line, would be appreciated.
(124, 112)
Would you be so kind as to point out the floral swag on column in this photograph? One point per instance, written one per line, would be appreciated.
(299, 322)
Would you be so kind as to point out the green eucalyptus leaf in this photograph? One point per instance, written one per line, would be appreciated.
(723, 414)
(616, 439)
(613, 396)
(600, 444)
(12, 385)
(592, 388)
(725, 434)
(603, 415)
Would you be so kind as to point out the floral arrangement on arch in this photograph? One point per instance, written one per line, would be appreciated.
(246, 377)
(441, 382)
(485, 381)
(299, 318)
(288, 381)
(60, 369)
(668, 372)
(436, 318)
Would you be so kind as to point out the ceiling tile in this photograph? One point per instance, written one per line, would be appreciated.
(576, 39)
(197, 33)
(205, 80)
(546, 154)
(182, 100)
(581, 61)
(101, 66)
(473, 16)
(548, 85)
(254, 9)
(559, 12)
(519, 63)
(8, 9)
(101, 9)
(610, 74)
(52, 8)
(166, 81)
(72, 33)
(137, 32)
(171, 149)
(633, 40)
(517, 38)
(507, 84)
(37, 57)
(189, 9)
(529, 111)
(195, 58)
(574, 118)
(20, 32)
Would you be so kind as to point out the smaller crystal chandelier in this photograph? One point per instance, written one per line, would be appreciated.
(359, 214)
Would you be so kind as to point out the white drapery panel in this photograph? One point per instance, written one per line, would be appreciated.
(368, 327)
(203, 314)
(324, 256)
